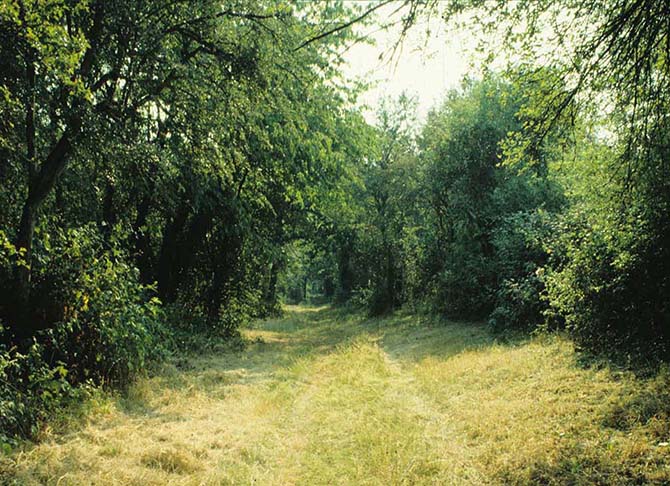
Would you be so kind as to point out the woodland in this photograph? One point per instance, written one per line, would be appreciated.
(171, 171)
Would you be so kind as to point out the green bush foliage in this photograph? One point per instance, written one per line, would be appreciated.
(112, 324)
(108, 329)
(519, 242)
(612, 288)
(30, 391)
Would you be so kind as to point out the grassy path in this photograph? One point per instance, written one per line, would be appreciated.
(321, 397)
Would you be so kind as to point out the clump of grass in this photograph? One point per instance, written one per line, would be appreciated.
(170, 460)
(648, 405)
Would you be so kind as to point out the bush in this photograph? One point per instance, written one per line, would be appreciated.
(109, 325)
(101, 326)
(519, 304)
(611, 286)
(463, 289)
(10, 259)
(194, 331)
(30, 389)
(519, 247)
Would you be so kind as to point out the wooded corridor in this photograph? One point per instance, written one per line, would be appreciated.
(489, 178)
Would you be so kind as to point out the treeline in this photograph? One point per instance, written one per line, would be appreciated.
(537, 197)
(154, 158)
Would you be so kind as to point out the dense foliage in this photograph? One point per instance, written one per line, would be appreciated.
(156, 156)
(537, 197)
(170, 168)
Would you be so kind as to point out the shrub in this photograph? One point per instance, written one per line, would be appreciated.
(111, 325)
(100, 326)
(520, 254)
(519, 303)
(611, 286)
(463, 288)
(30, 389)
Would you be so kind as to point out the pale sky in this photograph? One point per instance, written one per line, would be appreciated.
(427, 65)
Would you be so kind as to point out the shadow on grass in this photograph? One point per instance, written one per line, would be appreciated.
(305, 332)
(406, 337)
(411, 339)
(274, 345)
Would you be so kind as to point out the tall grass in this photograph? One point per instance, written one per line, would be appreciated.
(323, 397)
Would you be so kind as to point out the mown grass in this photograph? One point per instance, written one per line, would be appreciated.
(325, 397)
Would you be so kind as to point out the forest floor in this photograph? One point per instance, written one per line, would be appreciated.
(323, 397)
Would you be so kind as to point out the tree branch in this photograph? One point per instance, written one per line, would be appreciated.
(342, 26)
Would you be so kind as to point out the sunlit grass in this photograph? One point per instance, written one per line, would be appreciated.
(325, 397)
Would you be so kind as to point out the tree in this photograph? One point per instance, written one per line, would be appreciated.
(81, 68)
(461, 157)
(611, 61)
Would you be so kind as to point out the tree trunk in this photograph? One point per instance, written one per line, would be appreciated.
(216, 290)
(168, 266)
(22, 272)
(42, 177)
(40, 186)
(144, 257)
(270, 297)
(345, 272)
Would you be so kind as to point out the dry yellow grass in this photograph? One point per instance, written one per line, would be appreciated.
(321, 397)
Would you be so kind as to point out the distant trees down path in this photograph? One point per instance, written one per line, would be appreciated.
(537, 196)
